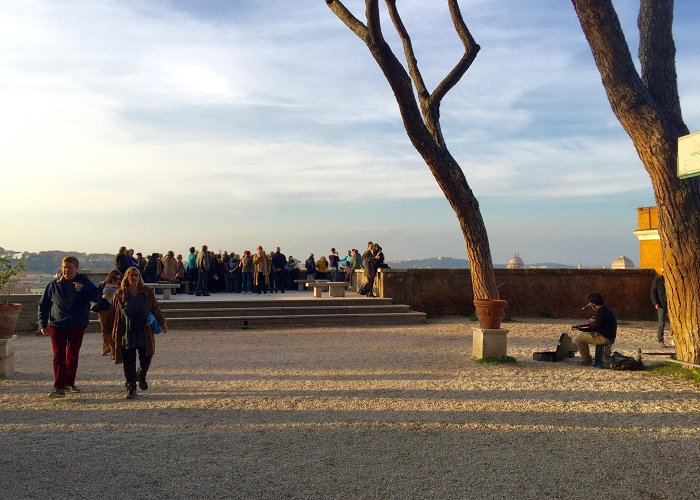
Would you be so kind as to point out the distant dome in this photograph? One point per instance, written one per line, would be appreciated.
(515, 262)
(622, 262)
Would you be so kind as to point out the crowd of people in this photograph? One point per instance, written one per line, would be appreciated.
(259, 272)
(129, 313)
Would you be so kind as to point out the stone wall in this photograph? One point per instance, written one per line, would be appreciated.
(555, 293)
(551, 293)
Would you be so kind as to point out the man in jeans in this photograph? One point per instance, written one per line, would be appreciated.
(658, 298)
(601, 331)
(202, 263)
(64, 313)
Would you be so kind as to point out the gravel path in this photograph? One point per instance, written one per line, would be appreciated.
(350, 412)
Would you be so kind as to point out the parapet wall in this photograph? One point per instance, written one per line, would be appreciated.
(552, 293)
(555, 293)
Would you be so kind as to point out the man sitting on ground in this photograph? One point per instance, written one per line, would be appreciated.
(601, 331)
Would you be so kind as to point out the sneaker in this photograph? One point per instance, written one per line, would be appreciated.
(72, 388)
(57, 393)
(661, 344)
(131, 393)
(585, 362)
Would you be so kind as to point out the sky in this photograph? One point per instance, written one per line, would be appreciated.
(165, 124)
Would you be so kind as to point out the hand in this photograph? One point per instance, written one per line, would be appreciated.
(43, 331)
(656, 306)
(77, 286)
(164, 328)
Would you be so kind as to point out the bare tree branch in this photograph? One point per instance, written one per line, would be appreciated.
(471, 49)
(373, 22)
(626, 92)
(408, 50)
(355, 25)
(657, 55)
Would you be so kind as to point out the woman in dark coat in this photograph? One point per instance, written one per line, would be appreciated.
(131, 333)
(150, 272)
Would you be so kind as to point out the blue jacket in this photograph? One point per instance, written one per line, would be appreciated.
(61, 306)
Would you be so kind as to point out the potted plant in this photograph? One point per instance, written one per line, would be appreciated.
(9, 312)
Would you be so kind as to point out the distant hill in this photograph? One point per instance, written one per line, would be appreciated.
(49, 262)
(453, 263)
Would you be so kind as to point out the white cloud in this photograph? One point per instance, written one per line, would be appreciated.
(282, 102)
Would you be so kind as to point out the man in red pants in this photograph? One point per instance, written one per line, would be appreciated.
(64, 313)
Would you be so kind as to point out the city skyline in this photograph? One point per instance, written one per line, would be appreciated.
(167, 124)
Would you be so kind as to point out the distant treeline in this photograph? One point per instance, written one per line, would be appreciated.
(49, 262)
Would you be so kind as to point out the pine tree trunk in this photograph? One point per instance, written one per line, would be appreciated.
(648, 108)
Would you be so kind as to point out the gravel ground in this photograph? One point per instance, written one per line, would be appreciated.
(350, 412)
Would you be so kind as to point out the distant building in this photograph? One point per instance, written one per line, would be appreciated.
(649, 241)
(622, 262)
(515, 262)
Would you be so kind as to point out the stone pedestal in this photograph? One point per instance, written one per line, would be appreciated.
(489, 343)
(7, 357)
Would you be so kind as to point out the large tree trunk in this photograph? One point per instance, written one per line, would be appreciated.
(649, 110)
(422, 123)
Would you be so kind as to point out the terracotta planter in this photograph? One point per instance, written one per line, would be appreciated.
(490, 312)
(8, 319)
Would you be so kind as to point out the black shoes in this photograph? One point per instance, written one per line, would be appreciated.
(57, 393)
(131, 393)
(143, 385)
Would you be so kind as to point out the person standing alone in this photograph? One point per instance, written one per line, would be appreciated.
(658, 298)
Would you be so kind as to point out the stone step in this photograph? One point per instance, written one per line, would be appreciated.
(283, 311)
(289, 320)
(296, 320)
(271, 302)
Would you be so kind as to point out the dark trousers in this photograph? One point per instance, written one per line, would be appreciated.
(370, 283)
(261, 286)
(65, 343)
(278, 281)
(129, 363)
(192, 276)
(662, 322)
(202, 282)
(247, 281)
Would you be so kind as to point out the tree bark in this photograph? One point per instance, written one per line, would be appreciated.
(422, 123)
(648, 108)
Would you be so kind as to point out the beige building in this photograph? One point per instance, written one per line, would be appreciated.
(649, 241)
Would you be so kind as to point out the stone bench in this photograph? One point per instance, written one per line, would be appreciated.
(335, 288)
(302, 283)
(166, 287)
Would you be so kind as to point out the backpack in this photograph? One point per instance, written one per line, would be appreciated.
(619, 361)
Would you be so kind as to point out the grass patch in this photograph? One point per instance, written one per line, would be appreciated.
(508, 360)
(675, 371)
(473, 317)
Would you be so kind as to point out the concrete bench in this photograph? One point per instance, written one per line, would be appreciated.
(166, 287)
(302, 283)
(335, 288)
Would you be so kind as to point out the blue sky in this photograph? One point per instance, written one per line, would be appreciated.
(165, 124)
